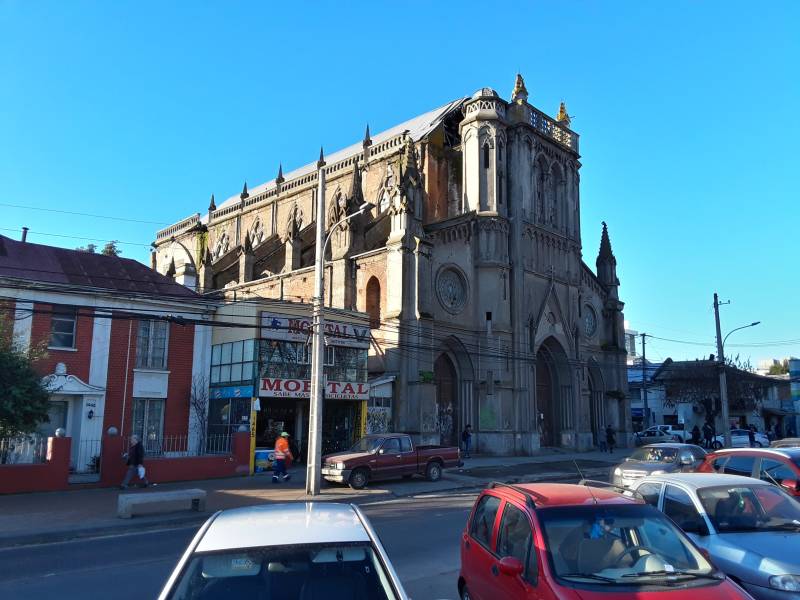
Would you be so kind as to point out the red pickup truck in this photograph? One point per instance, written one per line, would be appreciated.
(388, 456)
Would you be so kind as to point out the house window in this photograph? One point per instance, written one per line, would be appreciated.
(233, 362)
(151, 345)
(148, 423)
(62, 327)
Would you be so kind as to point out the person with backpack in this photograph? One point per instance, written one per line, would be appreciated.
(466, 440)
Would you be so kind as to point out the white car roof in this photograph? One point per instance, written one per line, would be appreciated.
(283, 524)
(703, 480)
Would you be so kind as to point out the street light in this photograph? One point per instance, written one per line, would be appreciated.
(723, 378)
(313, 468)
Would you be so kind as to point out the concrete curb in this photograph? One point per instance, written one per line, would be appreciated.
(172, 521)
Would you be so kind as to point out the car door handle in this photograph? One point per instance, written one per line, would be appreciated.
(495, 570)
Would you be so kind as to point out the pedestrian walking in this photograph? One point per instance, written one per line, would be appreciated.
(611, 439)
(695, 435)
(135, 456)
(466, 440)
(751, 435)
(708, 435)
(281, 452)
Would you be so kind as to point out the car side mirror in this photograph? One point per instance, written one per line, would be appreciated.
(511, 566)
(382, 451)
(687, 460)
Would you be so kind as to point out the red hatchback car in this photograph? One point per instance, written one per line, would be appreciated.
(780, 466)
(555, 541)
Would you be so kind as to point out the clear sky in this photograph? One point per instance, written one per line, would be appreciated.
(687, 113)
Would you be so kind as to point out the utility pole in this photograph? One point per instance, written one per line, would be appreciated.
(723, 378)
(646, 408)
(313, 470)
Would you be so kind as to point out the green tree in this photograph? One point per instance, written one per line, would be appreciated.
(780, 368)
(23, 401)
(90, 248)
(110, 249)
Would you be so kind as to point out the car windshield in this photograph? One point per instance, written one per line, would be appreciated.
(367, 444)
(620, 545)
(658, 455)
(298, 571)
(750, 508)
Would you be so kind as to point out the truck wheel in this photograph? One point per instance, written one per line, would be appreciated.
(434, 471)
(358, 479)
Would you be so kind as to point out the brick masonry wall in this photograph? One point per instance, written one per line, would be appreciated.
(179, 365)
(123, 350)
(77, 361)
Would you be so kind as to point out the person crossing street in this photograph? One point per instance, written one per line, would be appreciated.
(282, 453)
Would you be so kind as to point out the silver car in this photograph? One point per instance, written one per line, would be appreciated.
(749, 528)
(656, 459)
(298, 550)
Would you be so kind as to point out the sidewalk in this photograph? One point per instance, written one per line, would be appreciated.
(55, 516)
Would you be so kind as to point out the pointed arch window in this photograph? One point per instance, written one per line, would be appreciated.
(486, 156)
(374, 302)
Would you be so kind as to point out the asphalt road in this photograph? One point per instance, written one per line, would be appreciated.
(420, 534)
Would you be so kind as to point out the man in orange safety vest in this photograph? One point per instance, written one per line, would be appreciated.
(281, 452)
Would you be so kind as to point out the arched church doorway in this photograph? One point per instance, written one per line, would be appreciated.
(446, 380)
(597, 409)
(553, 393)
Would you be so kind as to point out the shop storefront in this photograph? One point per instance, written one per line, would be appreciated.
(284, 382)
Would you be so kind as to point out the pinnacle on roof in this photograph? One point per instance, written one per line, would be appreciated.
(321, 161)
(605, 245)
(279, 178)
(520, 92)
(212, 205)
(244, 193)
(563, 116)
(367, 140)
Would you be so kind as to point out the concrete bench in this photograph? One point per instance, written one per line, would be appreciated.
(127, 502)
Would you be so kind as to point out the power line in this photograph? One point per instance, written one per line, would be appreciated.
(81, 214)
(76, 237)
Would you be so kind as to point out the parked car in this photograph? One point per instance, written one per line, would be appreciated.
(654, 459)
(662, 433)
(749, 528)
(570, 542)
(298, 550)
(785, 443)
(388, 456)
(780, 466)
(740, 438)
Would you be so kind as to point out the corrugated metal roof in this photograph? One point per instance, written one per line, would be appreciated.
(417, 128)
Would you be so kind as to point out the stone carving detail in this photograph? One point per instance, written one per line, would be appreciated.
(451, 288)
(390, 188)
(294, 223)
(337, 209)
(222, 246)
(257, 235)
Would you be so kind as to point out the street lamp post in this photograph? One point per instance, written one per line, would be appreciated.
(723, 378)
(314, 466)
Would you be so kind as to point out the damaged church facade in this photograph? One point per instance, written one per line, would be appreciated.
(469, 266)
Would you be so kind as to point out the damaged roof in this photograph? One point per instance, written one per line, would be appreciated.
(417, 128)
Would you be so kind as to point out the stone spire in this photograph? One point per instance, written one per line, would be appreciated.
(365, 145)
(605, 245)
(321, 161)
(563, 116)
(244, 193)
(279, 178)
(520, 93)
(606, 263)
(212, 205)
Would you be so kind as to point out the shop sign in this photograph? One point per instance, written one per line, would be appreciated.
(232, 391)
(294, 329)
(273, 387)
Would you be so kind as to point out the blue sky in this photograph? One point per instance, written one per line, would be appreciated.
(687, 113)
